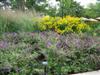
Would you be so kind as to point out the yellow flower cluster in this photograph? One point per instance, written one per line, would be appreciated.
(63, 25)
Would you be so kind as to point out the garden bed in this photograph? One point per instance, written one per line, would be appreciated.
(23, 53)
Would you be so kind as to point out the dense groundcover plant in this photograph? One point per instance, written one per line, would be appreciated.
(63, 25)
(23, 53)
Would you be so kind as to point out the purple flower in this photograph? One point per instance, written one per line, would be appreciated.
(58, 45)
(14, 34)
(3, 44)
(49, 44)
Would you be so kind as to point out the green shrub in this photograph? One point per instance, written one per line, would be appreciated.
(95, 28)
(63, 25)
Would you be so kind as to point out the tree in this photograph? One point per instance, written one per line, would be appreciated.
(70, 7)
(93, 10)
(30, 4)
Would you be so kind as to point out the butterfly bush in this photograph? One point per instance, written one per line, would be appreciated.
(63, 25)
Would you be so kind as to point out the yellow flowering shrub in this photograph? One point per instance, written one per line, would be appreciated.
(63, 25)
(47, 22)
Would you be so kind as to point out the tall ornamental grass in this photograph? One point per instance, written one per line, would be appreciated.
(16, 21)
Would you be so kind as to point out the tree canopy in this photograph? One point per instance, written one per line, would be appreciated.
(93, 10)
(65, 7)
(70, 7)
